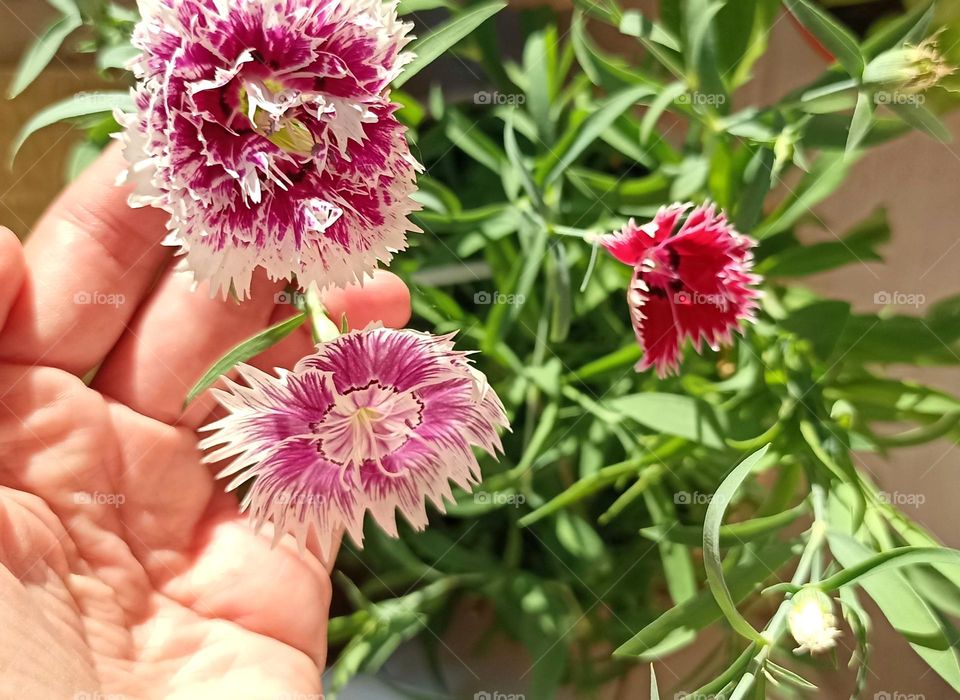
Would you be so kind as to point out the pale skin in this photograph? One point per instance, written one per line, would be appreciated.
(125, 571)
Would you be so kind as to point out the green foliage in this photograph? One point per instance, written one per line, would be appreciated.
(612, 510)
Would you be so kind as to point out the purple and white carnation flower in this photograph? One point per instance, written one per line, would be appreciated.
(265, 129)
(376, 420)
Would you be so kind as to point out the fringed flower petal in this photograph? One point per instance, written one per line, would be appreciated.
(375, 421)
(691, 281)
(265, 129)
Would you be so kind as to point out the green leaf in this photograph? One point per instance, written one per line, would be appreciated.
(597, 481)
(923, 120)
(244, 351)
(658, 107)
(661, 636)
(889, 399)
(711, 545)
(677, 561)
(758, 178)
(516, 161)
(731, 535)
(66, 7)
(606, 70)
(661, 44)
(82, 155)
(80, 105)
(861, 121)
(618, 194)
(576, 141)
(859, 245)
(116, 56)
(834, 36)
(887, 560)
(408, 7)
(821, 323)
(701, 52)
(898, 339)
(839, 465)
(654, 690)
(428, 48)
(907, 612)
(910, 27)
(41, 52)
(742, 32)
(674, 414)
(788, 676)
(634, 24)
(826, 175)
(539, 63)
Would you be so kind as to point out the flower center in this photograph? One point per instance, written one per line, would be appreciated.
(268, 105)
(367, 424)
(659, 267)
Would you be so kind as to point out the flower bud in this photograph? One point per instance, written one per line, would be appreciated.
(909, 69)
(812, 622)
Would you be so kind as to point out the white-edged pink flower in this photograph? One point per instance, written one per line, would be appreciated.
(265, 129)
(377, 420)
(692, 279)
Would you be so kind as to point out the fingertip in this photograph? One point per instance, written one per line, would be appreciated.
(13, 270)
(383, 298)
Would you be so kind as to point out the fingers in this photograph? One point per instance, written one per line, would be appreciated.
(176, 336)
(383, 298)
(12, 271)
(91, 259)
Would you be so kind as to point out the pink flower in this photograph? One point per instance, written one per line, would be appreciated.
(376, 420)
(690, 280)
(265, 128)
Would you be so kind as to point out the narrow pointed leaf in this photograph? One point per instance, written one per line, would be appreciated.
(431, 46)
(711, 545)
(41, 52)
(80, 105)
(244, 351)
(834, 36)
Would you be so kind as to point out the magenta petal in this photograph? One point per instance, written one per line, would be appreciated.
(693, 283)
(375, 421)
(656, 329)
(266, 131)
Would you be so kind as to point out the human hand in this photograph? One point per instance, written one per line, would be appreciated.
(125, 571)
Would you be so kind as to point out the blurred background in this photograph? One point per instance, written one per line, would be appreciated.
(915, 178)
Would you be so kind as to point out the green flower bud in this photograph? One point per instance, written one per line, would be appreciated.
(909, 69)
(812, 622)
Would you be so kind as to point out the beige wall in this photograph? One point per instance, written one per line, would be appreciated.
(917, 179)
